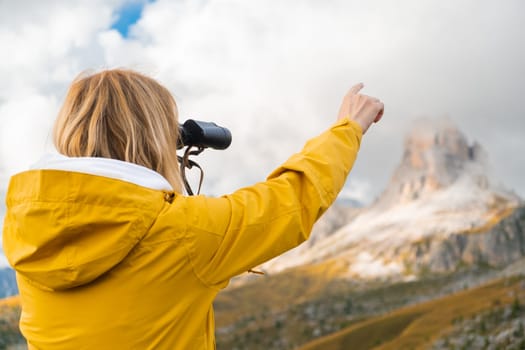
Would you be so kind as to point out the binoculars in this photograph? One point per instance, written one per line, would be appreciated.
(203, 135)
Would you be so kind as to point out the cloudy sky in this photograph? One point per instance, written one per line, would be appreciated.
(274, 73)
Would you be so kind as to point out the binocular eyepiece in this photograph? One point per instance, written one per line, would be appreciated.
(203, 135)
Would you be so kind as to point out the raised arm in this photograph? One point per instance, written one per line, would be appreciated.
(231, 234)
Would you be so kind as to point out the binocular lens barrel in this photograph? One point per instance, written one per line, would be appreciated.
(204, 135)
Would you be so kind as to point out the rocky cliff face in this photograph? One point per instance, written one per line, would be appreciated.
(499, 246)
(440, 211)
(436, 154)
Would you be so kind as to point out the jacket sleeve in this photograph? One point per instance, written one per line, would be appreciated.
(231, 234)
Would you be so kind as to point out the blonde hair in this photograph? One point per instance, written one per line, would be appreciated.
(124, 115)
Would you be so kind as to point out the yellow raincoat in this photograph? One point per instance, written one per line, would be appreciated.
(107, 264)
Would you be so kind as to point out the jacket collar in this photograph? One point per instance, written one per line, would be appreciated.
(106, 167)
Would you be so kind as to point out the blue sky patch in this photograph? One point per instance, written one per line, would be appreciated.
(128, 15)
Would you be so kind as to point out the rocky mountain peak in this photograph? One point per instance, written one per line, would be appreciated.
(439, 211)
(436, 153)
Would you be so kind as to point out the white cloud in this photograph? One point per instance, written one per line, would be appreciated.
(274, 72)
(45, 45)
(26, 129)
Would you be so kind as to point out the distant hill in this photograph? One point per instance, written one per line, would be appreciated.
(294, 308)
(8, 285)
(487, 317)
(10, 336)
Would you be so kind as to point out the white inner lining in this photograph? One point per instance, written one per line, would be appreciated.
(112, 168)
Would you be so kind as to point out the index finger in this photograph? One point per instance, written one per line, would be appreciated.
(355, 89)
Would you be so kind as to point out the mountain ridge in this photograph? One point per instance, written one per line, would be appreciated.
(440, 192)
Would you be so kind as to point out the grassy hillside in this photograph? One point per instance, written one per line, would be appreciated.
(287, 310)
(10, 337)
(430, 324)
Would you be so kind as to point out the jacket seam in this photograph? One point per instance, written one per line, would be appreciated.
(201, 279)
(189, 255)
(299, 208)
(190, 252)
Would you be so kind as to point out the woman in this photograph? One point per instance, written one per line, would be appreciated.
(110, 255)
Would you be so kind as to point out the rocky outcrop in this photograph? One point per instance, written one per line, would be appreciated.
(440, 211)
(497, 247)
(335, 217)
(436, 154)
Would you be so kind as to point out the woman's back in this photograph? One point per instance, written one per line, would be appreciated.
(99, 266)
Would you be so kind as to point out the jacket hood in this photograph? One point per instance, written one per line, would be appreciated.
(70, 220)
